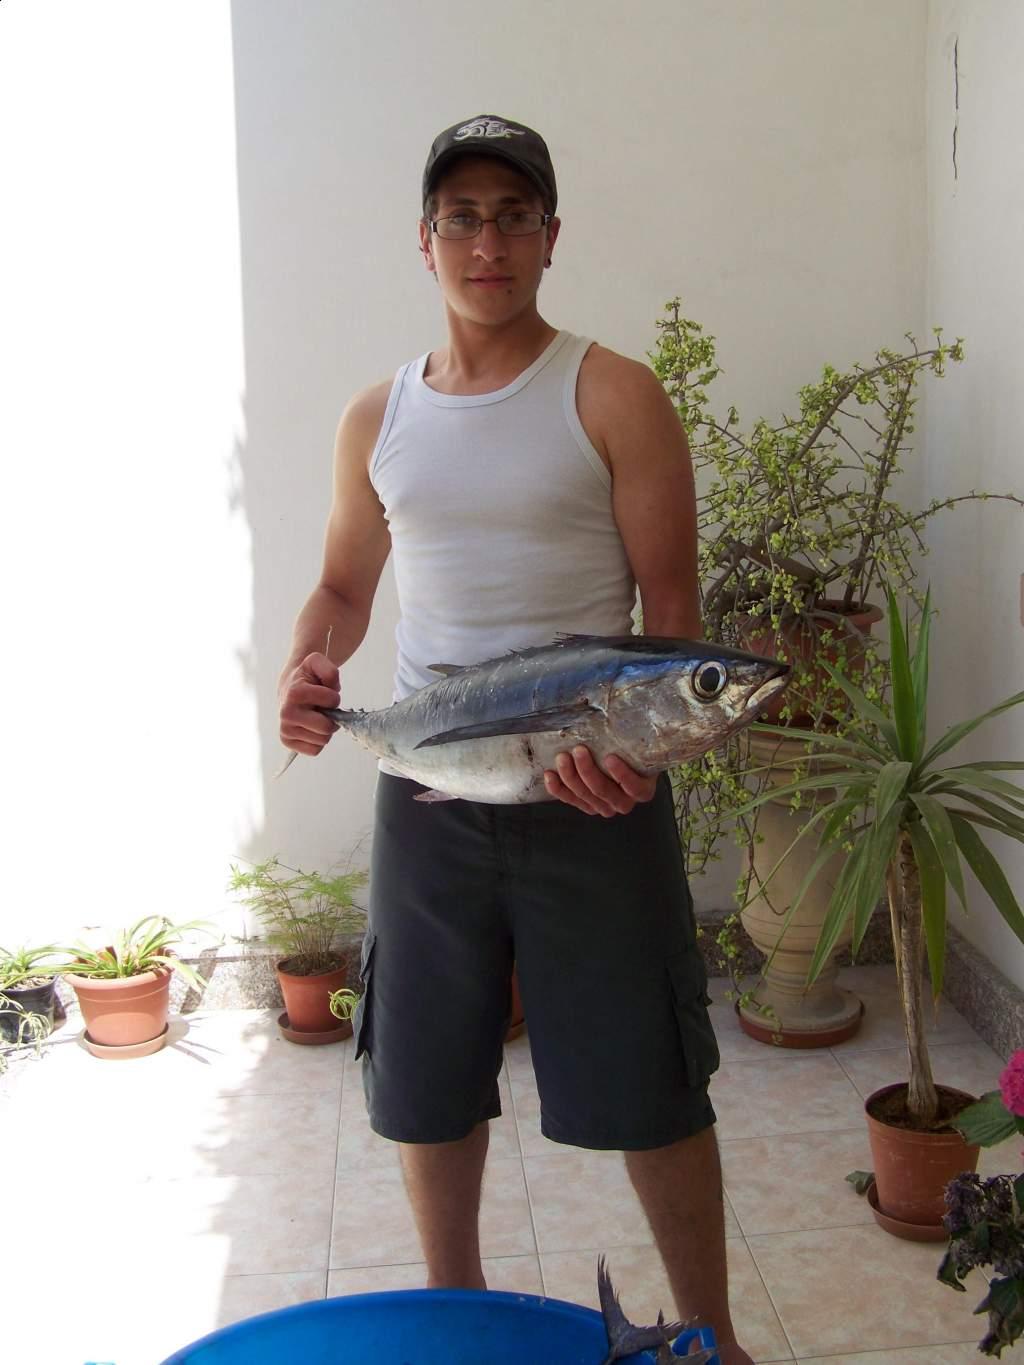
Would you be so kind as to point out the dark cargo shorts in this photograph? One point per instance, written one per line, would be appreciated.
(598, 918)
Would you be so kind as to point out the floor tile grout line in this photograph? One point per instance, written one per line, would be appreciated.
(856, 1087)
(771, 1300)
(388, 1265)
(797, 1232)
(881, 1351)
(526, 1185)
(796, 1132)
(756, 1049)
(334, 1180)
(267, 1274)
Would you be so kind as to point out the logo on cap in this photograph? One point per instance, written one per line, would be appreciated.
(488, 127)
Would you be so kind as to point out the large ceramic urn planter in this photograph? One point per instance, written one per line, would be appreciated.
(795, 1014)
(912, 1169)
(123, 1015)
(307, 1014)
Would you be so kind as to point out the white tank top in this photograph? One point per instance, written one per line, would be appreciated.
(500, 515)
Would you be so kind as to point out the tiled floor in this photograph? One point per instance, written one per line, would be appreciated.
(148, 1202)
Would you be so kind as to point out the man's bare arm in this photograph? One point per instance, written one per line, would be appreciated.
(655, 509)
(654, 502)
(356, 547)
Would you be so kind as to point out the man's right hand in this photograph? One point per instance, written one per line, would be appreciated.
(312, 683)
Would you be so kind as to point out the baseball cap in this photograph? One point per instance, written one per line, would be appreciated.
(489, 135)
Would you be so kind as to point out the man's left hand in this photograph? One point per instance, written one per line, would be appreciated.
(579, 782)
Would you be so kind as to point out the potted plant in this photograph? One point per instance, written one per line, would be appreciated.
(985, 1218)
(303, 914)
(797, 524)
(906, 819)
(26, 1030)
(124, 988)
(27, 984)
(342, 1004)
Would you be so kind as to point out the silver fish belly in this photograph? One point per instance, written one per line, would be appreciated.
(488, 731)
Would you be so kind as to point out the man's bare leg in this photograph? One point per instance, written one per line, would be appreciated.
(443, 1181)
(680, 1188)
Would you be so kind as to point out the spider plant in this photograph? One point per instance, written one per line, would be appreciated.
(144, 947)
(30, 1030)
(343, 1003)
(23, 966)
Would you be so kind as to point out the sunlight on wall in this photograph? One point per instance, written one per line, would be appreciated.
(134, 759)
(130, 662)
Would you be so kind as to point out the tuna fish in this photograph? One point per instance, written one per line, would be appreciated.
(626, 1339)
(487, 732)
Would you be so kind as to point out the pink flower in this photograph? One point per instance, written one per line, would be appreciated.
(1011, 1083)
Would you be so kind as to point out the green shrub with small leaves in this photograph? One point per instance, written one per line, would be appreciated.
(798, 527)
(302, 913)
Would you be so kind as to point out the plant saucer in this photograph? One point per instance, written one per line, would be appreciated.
(910, 1232)
(332, 1035)
(124, 1051)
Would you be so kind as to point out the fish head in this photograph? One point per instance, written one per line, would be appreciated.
(669, 706)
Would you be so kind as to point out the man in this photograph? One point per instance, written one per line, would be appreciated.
(528, 482)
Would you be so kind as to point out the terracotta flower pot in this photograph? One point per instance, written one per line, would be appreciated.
(796, 644)
(124, 1010)
(912, 1169)
(307, 999)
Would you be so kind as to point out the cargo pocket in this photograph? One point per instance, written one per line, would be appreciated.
(689, 981)
(361, 1014)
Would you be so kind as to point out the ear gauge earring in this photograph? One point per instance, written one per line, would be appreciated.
(548, 261)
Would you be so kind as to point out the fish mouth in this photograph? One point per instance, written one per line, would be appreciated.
(759, 696)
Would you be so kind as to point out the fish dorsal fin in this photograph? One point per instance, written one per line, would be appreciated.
(532, 723)
(447, 669)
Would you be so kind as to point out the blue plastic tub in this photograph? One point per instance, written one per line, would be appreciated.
(419, 1327)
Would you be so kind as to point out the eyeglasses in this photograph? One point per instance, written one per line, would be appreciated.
(463, 225)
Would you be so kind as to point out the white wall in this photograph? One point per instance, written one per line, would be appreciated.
(216, 242)
(131, 759)
(975, 425)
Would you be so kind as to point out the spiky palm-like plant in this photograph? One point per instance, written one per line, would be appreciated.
(907, 819)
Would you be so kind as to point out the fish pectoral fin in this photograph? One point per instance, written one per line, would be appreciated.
(433, 796)
(534, 722)
(447, 669)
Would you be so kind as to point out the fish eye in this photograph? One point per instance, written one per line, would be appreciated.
(709, 680)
